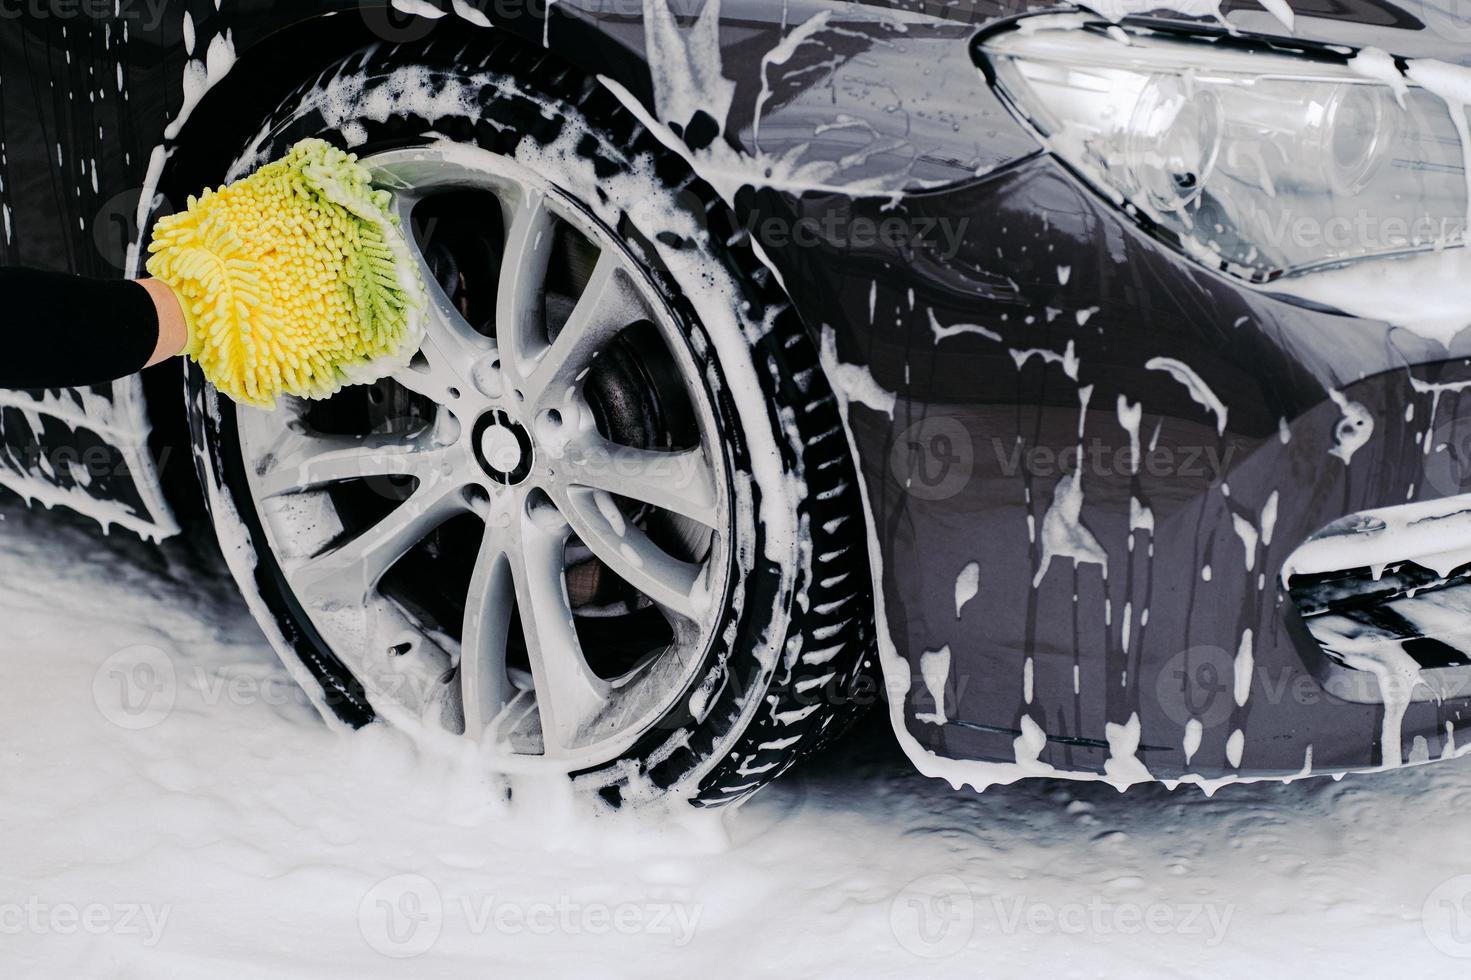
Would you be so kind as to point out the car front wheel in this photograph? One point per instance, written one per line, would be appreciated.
(605, 523)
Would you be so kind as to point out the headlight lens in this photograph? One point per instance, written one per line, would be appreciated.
(1258, 163)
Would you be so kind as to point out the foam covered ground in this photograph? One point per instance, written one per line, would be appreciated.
(172, 807)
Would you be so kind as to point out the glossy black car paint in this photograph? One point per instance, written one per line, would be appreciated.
(992, 232)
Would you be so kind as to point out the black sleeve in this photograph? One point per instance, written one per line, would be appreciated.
(61, 331)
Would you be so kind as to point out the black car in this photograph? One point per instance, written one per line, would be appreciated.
(1087, 385)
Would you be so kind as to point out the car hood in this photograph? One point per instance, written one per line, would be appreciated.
(1439, 29)
(1410, 28)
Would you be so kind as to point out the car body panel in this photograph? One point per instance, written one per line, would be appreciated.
(1010, 320)
(985, 428)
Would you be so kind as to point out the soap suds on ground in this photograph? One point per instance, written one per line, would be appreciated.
(172, 807)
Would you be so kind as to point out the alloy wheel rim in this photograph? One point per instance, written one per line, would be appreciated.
(512, 435)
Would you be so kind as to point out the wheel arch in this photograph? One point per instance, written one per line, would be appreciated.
(267, 65)
(265, 71)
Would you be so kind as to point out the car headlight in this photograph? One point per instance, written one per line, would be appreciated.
(1259, 163)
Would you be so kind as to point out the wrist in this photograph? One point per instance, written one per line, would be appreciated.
(173, 330)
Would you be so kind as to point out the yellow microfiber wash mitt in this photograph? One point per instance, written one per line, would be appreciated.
(295, 280)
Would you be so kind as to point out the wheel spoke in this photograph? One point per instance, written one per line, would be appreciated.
(348, 573)
(568, 694)
(520, 320)
(558, 367)
(630, 553)
(484, 688)
(403, 206)
(680, 482)
(310, 463)
(450, 344)
(608, 304)
(449, 341)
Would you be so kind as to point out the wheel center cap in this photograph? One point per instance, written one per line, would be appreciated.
(502, 448)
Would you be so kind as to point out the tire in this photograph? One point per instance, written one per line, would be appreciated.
(783, 604)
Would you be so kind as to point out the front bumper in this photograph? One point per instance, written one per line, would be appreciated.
(1120, 450)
